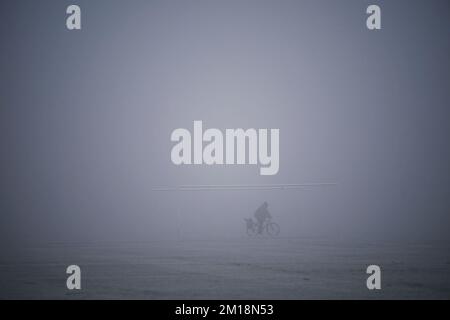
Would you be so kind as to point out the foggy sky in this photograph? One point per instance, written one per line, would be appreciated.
(86, 117)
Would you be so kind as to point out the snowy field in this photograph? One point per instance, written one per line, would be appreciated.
(242, 268)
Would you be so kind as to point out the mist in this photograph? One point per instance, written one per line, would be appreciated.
(86, 119)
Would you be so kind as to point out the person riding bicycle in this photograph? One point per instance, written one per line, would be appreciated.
(261, 215)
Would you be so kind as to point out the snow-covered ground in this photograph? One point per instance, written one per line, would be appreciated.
(242, 268)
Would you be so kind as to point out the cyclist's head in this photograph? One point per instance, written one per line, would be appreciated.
(265, 204)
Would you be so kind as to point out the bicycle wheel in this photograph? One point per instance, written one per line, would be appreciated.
(273, 229)
(251, 231)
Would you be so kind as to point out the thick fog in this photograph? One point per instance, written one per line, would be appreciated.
(86, 118)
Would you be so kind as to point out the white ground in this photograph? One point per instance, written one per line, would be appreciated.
(245, 268)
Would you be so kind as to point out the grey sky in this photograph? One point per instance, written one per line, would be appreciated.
(86, 117)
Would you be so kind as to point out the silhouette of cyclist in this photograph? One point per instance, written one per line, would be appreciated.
(261, 215)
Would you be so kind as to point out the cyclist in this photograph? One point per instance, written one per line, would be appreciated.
(261, 215)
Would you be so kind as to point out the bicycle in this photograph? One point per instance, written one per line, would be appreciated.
(269, 227)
